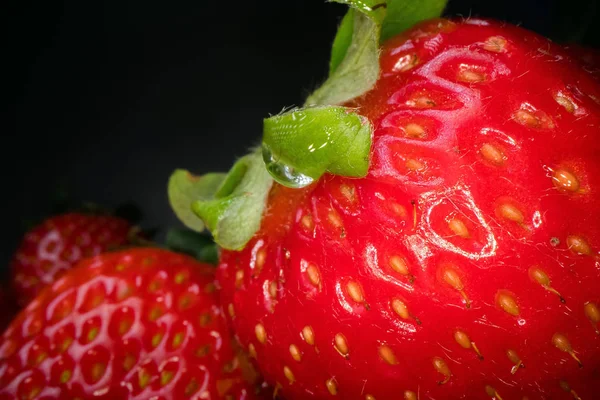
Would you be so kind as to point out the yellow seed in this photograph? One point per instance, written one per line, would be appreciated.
(539, 276)
(398, 209)
(459, 228)
(513, 356)
(191, 387)
(578, 245)
(307, 222)
(398, 264)
(563, 344)
(415, 131)
(331, 386)
(451, 277)
(288, 374)
(507, 302)
(495, 44)
(511, 213)
(515, 359)
(252, 351)
(492, 154)
(405, 63)
(462, 339)
(178, 339)
(421, 102)
(143, 378)
(441, 367)
(295, 352)
(410, 395)
(239, 278)
(129, 362)
(313, 274)
(98, 371)
(273, 289)
(231, 310)
(65, 376)
(526, 118)
(565, 101)
(470, 76)
(261, 258)
(341, 345)
(309, 335)
(492, 392)
(166, 377)
(565, 180)
(415, 165)
(348, 191)
(565, 386)
(369, 397)
(387, 355)
(400, 308)
(261, 333)
(334, 219)
(355, 291)
(33, 392)
(593, 314)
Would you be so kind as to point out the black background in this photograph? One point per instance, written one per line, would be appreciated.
(108, 98)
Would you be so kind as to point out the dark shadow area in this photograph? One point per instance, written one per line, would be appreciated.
(108, 98)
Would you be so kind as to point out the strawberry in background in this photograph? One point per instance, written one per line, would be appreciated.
(141, 323)
(51, 248)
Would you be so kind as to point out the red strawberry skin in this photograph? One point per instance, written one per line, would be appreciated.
(58, 243)
(465, 265)
(133, 324)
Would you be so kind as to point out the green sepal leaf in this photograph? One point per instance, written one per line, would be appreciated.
(184, 188)
(359, 69)
(354, 64)
(342, 41)
(234, 212)
(402, 15)
(196, 244)
(301, 145)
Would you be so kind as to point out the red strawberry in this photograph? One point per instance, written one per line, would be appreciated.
(55, 245)
(466, 263)
(134, 324)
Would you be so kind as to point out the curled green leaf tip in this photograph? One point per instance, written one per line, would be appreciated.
(299, 146)
(184, 188)
(234, 212)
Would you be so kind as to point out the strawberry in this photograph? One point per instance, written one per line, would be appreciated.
(133, 324)
(463, 263)
(58, 243)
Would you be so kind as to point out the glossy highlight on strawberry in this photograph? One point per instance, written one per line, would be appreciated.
(466, 264)
(58, 243)
(133, 324)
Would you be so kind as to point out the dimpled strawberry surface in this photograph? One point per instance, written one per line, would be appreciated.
(465, 265)
(58, 243)
(135, 324)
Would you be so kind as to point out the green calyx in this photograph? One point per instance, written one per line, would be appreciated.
(229, 205)
(299, 146)
(354, 65)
